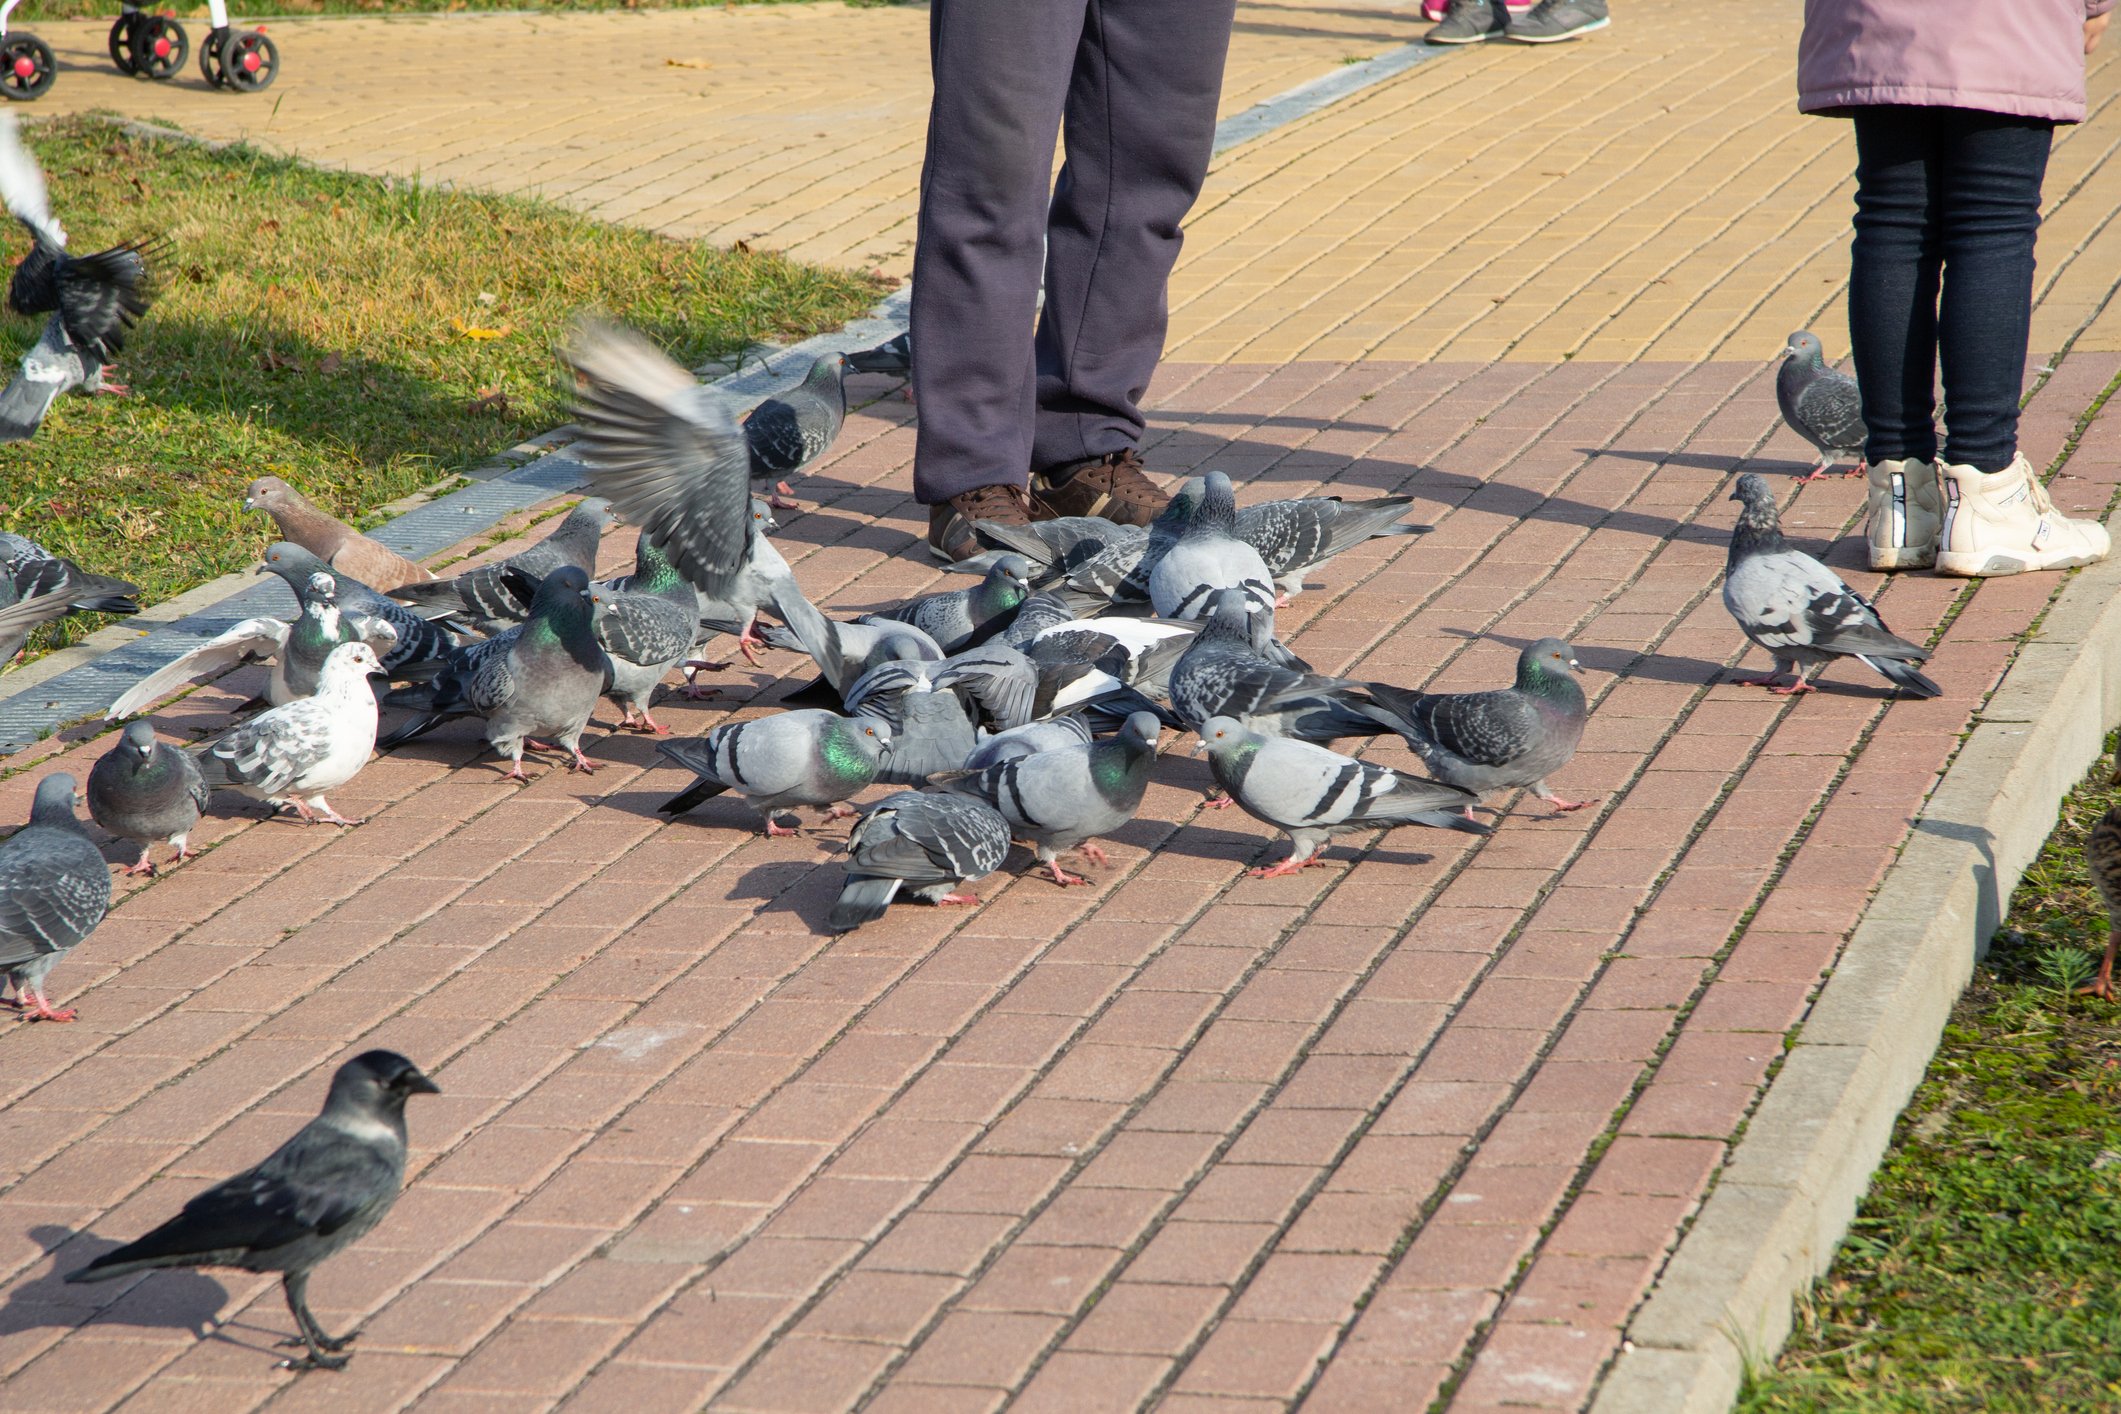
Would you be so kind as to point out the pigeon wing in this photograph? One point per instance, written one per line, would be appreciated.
(54, 890)
(247, 642)
(1831, 409)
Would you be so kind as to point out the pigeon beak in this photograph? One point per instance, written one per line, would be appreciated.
(262, 569)
(1574, 666)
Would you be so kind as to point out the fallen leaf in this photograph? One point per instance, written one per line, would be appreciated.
(688, 63)
(331, 364)
(742, 246)
(273, 359)
(474, 331)
(491, 400)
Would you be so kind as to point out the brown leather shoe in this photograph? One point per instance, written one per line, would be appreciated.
(1112, 486)
(950, 522)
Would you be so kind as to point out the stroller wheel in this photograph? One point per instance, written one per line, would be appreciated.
(121, 40)
(159, 47)
(26, 68)
(249, 61)
(210, 57)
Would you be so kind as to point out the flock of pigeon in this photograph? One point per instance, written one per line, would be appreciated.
(1026, 707)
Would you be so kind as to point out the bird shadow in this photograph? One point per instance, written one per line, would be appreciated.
(173, 1300)
(1700, 461)
(1615, 662)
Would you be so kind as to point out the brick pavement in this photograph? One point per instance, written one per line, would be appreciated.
(1421, 1125)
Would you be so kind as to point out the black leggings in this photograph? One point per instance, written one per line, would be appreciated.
(1945, 197)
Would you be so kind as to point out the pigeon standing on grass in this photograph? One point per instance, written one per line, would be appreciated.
(1208, 556)
(810, 757)
(1062, 799)
(535, 683)
(311, 1198)
(290, 756)
(37, 587)
(497, 595)
(925, 846)
(146, 790)
(333, 541)
(1315, 794)
(1799, 610)
(1513, 736)
(1822, 406)
(54, 891)
(784, 434)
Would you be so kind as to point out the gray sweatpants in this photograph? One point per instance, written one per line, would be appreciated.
(1138, 82)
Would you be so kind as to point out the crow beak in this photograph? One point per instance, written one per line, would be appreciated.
(417, 1084)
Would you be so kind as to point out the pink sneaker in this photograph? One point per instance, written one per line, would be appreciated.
(1432, 10)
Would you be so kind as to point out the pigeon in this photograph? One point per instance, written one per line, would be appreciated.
(931, 729)
(1207, 556)
(930, 846)
(646, 624)
(1030, 739)
(1061, 799)
(1823, 407)
(894, 357)
(311, 1198)
(1138, 652)
(54, 891)
(146, 790)
(37, 587)
(1296, 537)
(537, 682)
(785, 434)
(960, 618)
(50, 367)
(792, 758)
(333, 541)
(735, 609)
(97, 298)
(1221, 674)
(1057, 548)
(1799, 610)
(290, 756)
(298, 650)
(423, 635)
(1513, 736)
(844, 651)
(1315, 794)
(667, 453)
(497, 595)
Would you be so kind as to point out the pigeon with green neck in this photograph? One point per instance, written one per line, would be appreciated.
(646, 622)
(1060, 800)
(961, 618)
(811, 757)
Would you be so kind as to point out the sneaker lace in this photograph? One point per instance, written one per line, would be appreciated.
(1122, 472)
(994, 503)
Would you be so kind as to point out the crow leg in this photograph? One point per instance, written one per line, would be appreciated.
(295, 1285)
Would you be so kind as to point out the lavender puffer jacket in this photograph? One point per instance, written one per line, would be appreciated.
(2024, 57)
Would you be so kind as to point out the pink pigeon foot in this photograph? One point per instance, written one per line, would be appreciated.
(1291, 865)
(43, 1011)
(775, 830)
(748, 644)
(1794, 689)
(115, 390)
(143, 865)
(841, 810)
(515, 771)
(1764, 680)
(1817, 473)
(1563, 807)
(1063, 877)
(958, 898)
(1095, 853)
(582, 763)
(783, 499)
(1219, 801)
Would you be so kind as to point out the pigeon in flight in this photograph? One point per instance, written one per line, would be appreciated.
(786, 433)
(925, 846)
(331, 540)
(54, 891)
(146, 790)
(495, 596)
(37, 587)
(1513, 736)
(311, 1198)
(50, 367)
(1823, 406)
(290, 756)
(1799, 610)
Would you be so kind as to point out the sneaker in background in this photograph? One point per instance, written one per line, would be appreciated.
(1553, 20)
(1113, 486)
(1471, 22)
(950, 522)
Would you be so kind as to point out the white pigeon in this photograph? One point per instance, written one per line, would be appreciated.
(291, 755)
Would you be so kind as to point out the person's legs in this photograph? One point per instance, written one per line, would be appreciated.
(1893, 278)
(1140, 126)
(1002, 74)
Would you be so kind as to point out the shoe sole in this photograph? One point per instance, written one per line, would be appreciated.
(1469, 39)
(1580, 30)
(1902, 559)
(1975, 565)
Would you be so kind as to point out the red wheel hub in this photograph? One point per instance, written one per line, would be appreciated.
(24, 67)
(252, 62)
(162, 47)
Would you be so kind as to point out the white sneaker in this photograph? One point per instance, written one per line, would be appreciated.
(1906, 510)
(2001, 522)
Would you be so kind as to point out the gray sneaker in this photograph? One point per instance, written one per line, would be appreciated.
(1470, 22)
(1553, 20)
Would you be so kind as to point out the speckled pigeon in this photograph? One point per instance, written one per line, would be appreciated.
(497, 595)
(534, 684)
(791, 758)
(1297, 536)
(925, 846)
(958, 618)
(290, 756)
(1208, 556)
(1315, 794)
(1823, 406)
(50, 368)
(735, 610)
(1499, 740)
(145, 790)
(54, 891)
(1062, 799)
(647, 623)
(786, 433)
(844, 651)
(423, 635)
(1056, 548)
(1799, 610)
(37, 587)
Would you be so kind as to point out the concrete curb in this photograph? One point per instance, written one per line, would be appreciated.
(1791, 1187)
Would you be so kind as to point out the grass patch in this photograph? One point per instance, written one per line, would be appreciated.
(361, 338)
(1983, 1268)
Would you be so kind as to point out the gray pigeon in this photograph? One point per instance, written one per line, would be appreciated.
(1823, 406)
(1221, 674)
(959, 618)
(1208, 556)
(791, 758)
(1030, 739)
(311, 1198)
(666, 451)
(1799, 610)
(1513, 736)
(931, 728)
(146, 790)
(1315, 794)
(893, 357)
(37, 587)
(736, 609)
(50, 367)
(845, 651)
(1056, 548)
(291, 755)
(647, 623)
(498, 595)
(423, 636)
(1137, 652)
(928, 846)
(1061, 799)
(54, 891)
(535, 683)
(784, 434)
(297, 650)
(1295, 537)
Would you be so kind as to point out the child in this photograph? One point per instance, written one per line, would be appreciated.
(1955, 107)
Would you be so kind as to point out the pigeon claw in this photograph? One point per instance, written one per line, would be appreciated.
(958, 899)
(840, 810)
(115, 390)
(143, 865)
(582, 763)
(1291, 865)
(1096, 855)
(783, 499)
(1793, 690)
(42, 1010)
(1063, 877)
(1219, 801)
(1561, 807)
